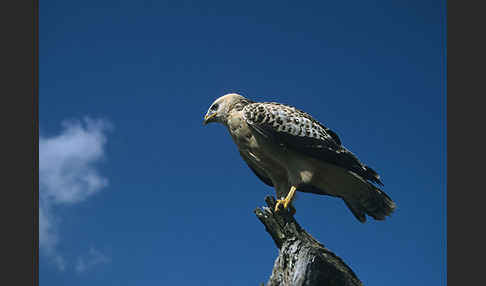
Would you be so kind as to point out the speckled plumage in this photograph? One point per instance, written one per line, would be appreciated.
(288, 119)
(287, 147)
(298, 129)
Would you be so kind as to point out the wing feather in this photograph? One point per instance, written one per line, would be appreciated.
(292, 128)
(261, 175)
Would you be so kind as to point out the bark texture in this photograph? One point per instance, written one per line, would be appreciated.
(302, 260)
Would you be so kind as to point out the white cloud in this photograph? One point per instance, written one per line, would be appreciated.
(48, 237)
(68, 175)
(93, 258)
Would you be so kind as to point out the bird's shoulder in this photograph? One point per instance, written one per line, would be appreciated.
(289, 120)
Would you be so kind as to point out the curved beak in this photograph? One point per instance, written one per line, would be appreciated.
(208, 117)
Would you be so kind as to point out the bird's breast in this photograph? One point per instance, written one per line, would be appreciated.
(240, 131)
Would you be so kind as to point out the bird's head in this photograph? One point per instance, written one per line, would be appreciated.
(219, 110)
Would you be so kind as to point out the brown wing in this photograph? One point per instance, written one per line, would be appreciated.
(287, 126)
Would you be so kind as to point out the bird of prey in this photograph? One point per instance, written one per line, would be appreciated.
(291, 151)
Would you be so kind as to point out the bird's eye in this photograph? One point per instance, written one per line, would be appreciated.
(214, 107)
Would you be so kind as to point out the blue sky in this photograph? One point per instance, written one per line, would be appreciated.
(136, 191)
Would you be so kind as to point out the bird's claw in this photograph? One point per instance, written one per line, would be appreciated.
(286, 201)
(286, 205)
(280, 202)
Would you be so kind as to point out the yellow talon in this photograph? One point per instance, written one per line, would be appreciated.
(279, 202)
(286, 202)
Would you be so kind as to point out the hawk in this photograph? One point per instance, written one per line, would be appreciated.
(289, 150)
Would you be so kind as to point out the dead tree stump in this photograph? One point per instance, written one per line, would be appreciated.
(302, 260)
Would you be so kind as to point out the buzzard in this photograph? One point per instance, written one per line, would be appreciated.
(291, 151)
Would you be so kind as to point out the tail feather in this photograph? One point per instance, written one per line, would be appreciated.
(360, 195)
(378, 205)
(357, 211)
(374, 203)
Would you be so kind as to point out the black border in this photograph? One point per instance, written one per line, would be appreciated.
(465, 145)
(35, 112)
(19, 119)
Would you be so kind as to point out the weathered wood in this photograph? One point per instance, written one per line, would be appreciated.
(302, 260)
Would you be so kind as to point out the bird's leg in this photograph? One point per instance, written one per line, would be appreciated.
(286, 202)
